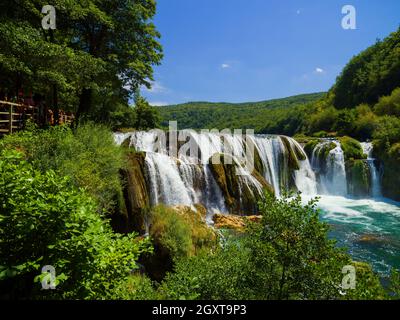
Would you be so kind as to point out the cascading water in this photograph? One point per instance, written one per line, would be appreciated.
(186, 180)
(330, 168)
(375, 177)
(304, 177)
(269, 150)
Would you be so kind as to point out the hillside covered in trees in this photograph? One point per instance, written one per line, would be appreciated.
(281, 116)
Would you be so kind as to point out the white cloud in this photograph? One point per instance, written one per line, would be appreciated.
(319, 70)
(156, 87)
(225, 66)
(298, 11)
(158, 103)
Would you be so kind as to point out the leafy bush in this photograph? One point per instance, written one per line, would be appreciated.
(365, 124)
(171, 232)
(344, 122)
(181, 231)
(87, 154)
(210, 276)
(287, 256)
(147, 117)
(45, 220)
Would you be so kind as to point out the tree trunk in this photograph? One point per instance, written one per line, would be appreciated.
(85, 103)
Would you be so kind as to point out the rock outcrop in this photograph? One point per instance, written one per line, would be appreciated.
(232, 222)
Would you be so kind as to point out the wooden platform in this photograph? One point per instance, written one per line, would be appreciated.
(13, 116)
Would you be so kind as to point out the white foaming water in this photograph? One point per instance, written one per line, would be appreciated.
(188, 181)
(165, 181)
(375, 177)
(304, 177)
(268, 149)
(332, 178)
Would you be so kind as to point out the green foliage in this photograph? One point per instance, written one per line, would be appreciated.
(87, 154)
(323, 120)
(387, 133)
(344, 122)
(147, 117)
(99, 54)
(373, 73)
(181, 231)
(45, 220)
(170, 232)
(365, 123)
(281, 116)
(395, 284)
(136, 287)
(389, 105)
(351, 148)
(287, 256)
(28, 59)
(216, 276)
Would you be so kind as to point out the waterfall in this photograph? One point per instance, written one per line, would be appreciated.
(305, 179)
(189, 179)
(375, 177)
(330, 168)
(269, 149)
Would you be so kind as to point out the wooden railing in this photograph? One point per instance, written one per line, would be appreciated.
(13, 116)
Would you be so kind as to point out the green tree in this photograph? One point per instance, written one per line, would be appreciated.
(147, 117)
(373, 73)
(99, 54)
(389, 105)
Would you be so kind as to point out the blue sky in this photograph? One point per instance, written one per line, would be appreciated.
(253, 50)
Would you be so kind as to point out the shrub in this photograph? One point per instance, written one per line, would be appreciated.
(88, 155)
(171, 232)
(286, 256)
(181, 231)
(218, 276)
(45, 220)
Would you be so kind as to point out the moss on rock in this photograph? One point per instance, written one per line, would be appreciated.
(352, 148)
(390, 157)
(292, 154)
(177, 232)
(310, 146)
(358, 178)
(135, 195)
(239, 197)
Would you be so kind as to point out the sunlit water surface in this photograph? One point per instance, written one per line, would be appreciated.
(369, 228)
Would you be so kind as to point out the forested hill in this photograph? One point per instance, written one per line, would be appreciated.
(373, 73)
(272, 116)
